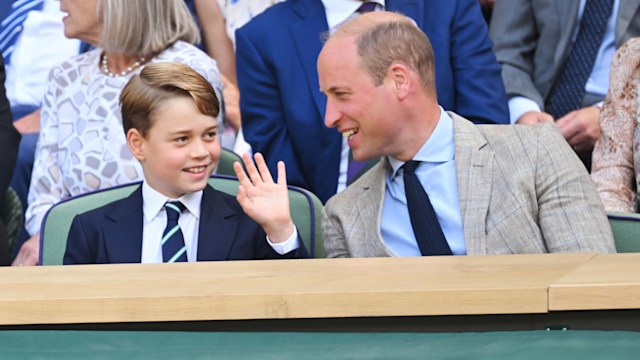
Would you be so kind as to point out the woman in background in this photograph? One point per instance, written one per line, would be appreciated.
(616, 157)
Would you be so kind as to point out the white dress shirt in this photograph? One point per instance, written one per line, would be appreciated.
(155, 221)
(41, 45)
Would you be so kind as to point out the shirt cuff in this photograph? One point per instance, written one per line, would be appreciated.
(284, 247)
(519, 105)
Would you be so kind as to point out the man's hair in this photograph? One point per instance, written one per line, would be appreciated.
(383, 38)
(144, 94)
(140, 27)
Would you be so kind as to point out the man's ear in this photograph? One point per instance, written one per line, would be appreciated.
(401, 79)
(136, 142)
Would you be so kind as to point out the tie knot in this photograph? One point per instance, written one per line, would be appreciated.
(174, 209)
(411, 166)
(367, 6)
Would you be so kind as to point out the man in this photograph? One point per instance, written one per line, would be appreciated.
(539, 42)
(10, 139)
(494, 189)
(282, 109)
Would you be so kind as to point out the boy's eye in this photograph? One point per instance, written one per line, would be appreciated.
(211, 134)
(182, 139)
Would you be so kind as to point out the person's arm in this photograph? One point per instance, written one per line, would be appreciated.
(78, 250)
(264, 121)
(613, 170)
(216, 42)
(9, 137)
(571, 215)
(515, 36)
(479, 91)
(47, 187)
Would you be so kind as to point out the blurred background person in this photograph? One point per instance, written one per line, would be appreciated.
(10, 139)
(555, 57)
(616, 156)
(81, 145)
(25, 26)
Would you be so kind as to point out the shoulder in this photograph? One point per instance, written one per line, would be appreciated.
(115, 209)
(363, 188)
(73, 69)
(188, 54)
(271, 16)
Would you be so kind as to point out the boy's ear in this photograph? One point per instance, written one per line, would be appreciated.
(135, 141)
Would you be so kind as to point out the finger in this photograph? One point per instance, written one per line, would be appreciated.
(262, 167)
(546, 118)
(252, 171)
(243, 179)
(282, 174)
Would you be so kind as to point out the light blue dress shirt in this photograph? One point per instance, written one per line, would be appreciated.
(437, 174)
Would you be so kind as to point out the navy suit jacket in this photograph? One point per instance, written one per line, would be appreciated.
(113, 233)
(283, 109)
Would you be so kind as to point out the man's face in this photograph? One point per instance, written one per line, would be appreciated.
(361, 112)
(180, 150)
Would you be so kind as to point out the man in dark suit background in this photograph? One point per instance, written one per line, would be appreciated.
(283, 110)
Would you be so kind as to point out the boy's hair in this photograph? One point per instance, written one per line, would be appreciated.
(157, 83)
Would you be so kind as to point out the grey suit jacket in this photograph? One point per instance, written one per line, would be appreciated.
(532, 39)
(522, 189)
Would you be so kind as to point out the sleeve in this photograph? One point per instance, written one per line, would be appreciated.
(515, 37)
(263, 117)
(479, 90)
(9, 137)
(613, 157)
(570, 213)
(47, 186)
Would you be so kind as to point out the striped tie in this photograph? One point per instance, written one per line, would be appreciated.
(11, 26)
(173, 249)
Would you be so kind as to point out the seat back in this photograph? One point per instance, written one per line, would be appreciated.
(626, 231)
(306, 212)
(225, 162)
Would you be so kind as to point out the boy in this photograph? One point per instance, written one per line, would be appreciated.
(169, 118)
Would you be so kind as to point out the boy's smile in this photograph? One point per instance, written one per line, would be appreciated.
(180, 149)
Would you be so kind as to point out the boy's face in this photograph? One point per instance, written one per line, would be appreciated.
(180, 150)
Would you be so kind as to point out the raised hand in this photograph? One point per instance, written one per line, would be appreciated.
(265, 201)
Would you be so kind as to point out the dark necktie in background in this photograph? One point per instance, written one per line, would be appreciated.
(173, 248)
(570, 88)
(11, 25)
(367, 6)
(424, 221)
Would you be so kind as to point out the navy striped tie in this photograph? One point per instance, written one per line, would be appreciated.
(11, 26)
(173, 248)
(424, 221)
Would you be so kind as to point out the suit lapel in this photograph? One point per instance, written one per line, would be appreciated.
(626, 13)
(218, 229)
(567, 11)
(371, 197)
(474, 167)
(123, 232)
(307, 34)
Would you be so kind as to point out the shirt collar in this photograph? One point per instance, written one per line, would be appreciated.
(438, 148)
(153, 202)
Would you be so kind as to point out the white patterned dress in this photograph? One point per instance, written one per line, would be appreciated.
(82, 145)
